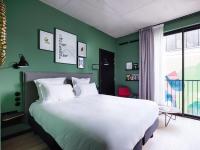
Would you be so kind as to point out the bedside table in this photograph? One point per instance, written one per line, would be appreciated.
(169, 112)
(12, 124)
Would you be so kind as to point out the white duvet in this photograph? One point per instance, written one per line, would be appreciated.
(97, 121)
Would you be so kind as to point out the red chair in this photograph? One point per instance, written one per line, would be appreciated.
(124, 91)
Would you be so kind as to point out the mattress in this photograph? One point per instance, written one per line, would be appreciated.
(96, 122)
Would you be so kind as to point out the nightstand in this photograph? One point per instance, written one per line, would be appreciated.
(13, 124)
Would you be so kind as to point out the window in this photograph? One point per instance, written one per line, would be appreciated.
(192, 39)
(173, 42)
(182, 66)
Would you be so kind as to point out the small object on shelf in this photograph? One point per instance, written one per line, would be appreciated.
(132, 77)
(135, 66)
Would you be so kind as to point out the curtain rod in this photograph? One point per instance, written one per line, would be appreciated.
(132, 41)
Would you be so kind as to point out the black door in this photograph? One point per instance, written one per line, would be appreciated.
(106, 72)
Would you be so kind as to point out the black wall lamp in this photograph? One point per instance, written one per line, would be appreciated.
(22, 62)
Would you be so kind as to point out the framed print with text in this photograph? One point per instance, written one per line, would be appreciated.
(65, 47)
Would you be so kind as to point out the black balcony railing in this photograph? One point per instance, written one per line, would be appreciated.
(174, 91)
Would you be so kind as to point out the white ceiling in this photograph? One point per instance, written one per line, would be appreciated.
(122, 17)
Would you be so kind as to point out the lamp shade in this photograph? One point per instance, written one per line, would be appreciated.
(22, 63)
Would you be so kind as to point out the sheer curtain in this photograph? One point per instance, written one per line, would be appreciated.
(159, 60)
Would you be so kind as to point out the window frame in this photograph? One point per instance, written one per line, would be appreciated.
(183, 30)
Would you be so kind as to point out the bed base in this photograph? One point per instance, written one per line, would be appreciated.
(47, 138)
(52, 144)
(150, 131)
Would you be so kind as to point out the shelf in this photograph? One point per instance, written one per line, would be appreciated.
(132, 70)
(132, 80)
(11, 116)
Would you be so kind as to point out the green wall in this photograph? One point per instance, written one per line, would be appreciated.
(24, 18)
(183, 22)
(130, 52)
(126, 53)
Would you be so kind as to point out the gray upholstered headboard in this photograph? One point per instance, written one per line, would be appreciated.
(30, 91)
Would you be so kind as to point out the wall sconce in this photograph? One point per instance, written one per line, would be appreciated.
(22, 62)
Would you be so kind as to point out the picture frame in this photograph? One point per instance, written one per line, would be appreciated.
(82, 49)
(129, 65)
(135, 66)
(81, 63)
(46, 41)
(65, 47)
(132, 77)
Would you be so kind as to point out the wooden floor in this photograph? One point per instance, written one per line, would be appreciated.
(28, 141)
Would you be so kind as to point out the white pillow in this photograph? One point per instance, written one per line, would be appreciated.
(60, 80)
(77, 81)
(39, 82)
(57, 92)
(80, 80)
(88, 89)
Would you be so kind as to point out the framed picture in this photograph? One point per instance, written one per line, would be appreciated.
(81, 63)
(65, 47)
(46, 40)
(82, 49)
(129, 65)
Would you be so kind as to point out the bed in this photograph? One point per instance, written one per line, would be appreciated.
(89, 123)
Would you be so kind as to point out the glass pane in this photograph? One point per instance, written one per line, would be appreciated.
(199, 37)
(192, 73)
(173, 70)
(174, 42)
(170, 42)
(179, 41)
(191, 39)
